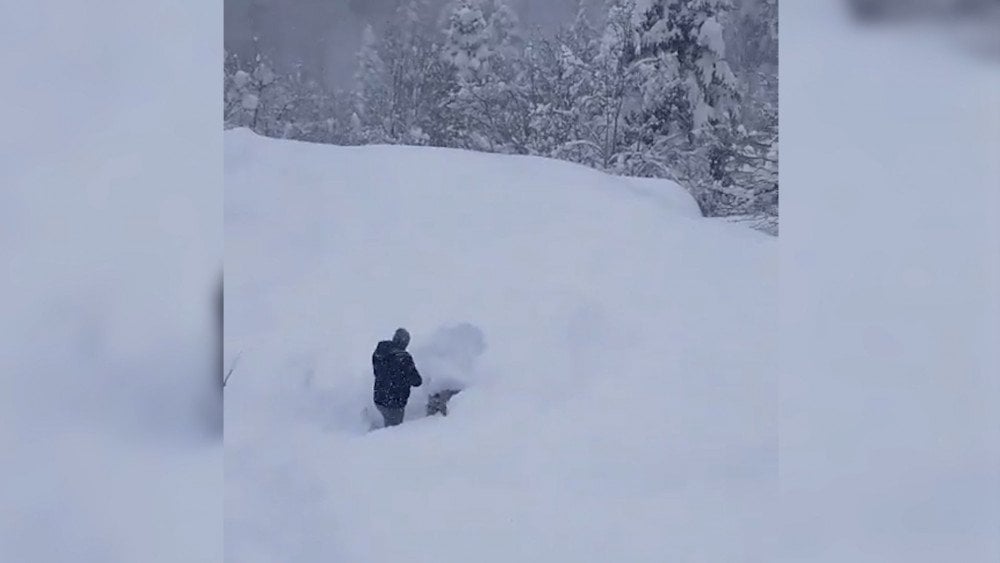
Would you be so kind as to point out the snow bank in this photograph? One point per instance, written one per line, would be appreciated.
(616, 351)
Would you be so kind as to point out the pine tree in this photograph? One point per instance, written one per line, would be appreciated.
(416, 74)
(650, 92)
(256, 96)
(744, 152)
(688, 84)
(373, 95)
(483, 46)
(616, 91)
(503, 29)
(581, 37)
(466, 41)
(687, 91)
(585, 81)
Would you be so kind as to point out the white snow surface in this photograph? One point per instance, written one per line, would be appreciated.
(616, 350)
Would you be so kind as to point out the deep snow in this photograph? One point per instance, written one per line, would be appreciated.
(617, 352)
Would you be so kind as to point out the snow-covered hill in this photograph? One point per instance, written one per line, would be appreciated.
(617, 353)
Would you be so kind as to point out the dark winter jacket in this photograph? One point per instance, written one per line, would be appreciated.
(395, 373)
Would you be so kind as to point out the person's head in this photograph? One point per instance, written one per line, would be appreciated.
(401, 338)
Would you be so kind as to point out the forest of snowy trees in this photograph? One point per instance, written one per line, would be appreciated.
(678, 89)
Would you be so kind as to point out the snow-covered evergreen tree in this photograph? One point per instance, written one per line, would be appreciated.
(745, 153)
(688, 89)
(560, 77)
(239, 97)
(420, 78)
(402, 80)
(256, 96)
(484, 47)
(466, 44)
(373, 90)
(503, 29)
(689, 83)
(680, 89)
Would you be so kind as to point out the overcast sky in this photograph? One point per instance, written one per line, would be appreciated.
(324, 35)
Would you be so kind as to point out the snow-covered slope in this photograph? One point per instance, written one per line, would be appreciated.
(617, 352)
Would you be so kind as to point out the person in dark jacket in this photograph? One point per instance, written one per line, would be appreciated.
(395, 373)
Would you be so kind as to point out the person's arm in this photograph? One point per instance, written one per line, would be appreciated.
(411, 369)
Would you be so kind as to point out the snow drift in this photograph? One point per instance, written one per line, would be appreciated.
(616, 351)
